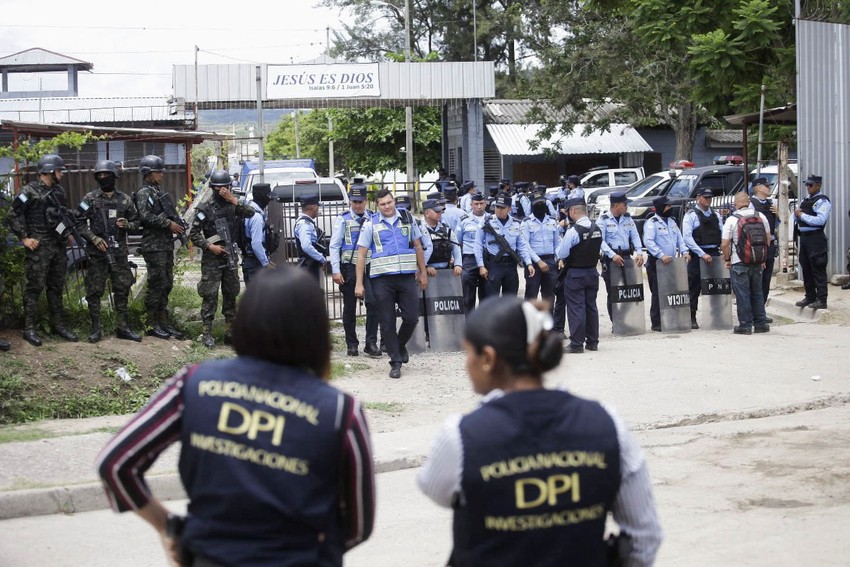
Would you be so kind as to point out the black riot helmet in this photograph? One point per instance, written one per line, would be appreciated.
(220, 178)
(150, 164)
(106, 166)
(50, 163)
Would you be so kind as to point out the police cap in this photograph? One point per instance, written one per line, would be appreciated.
(435, 205)
(760, 181)
(478, 197)
(357, 192)
(308, 200)
(705, 192)
(502, 200)
(660, 202)
(814, 180)
(574, 202)
(619, 197)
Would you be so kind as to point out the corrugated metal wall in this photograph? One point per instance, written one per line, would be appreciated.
(823, 123)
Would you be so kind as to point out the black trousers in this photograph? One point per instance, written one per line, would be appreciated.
(559, 313)
(250, 266)
(349, 307)
(814, 256)
(502, 279)
(694, 280)
(654, 305)
(472, 282)
(767, 273)
(543, 283)
(391, 290)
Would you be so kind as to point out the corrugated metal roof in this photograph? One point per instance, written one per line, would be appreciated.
(516, 111)
(421, 83)
(116, 133)
(77, 110)
(725, 136)
(38, 57)
(512, 140)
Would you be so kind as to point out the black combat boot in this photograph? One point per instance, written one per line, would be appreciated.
(156, 329)
(96, 333)
(123, 330)
(58, 328)
(207, 338)
(168, 327)
(29, 325)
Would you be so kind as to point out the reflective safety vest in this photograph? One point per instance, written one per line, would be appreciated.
(541, 470)
(392, 246)
(351, 226)
(260, 461)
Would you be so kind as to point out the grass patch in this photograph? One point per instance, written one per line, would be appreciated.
(388, 407)
(338, 369)
(12, 435)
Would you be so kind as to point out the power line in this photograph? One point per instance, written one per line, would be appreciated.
(153, 28)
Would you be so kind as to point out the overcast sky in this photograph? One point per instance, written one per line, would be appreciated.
(133, 45)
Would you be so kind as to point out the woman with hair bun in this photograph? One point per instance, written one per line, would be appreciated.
(532, 473)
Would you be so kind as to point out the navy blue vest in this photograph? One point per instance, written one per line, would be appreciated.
(807, 205)
(260, 463)
(541, 469)
(707, 232)
(585, 254)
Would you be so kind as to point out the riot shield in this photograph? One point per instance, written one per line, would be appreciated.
(441, 316)
(716, 296)
(673, 298)
(627, 310)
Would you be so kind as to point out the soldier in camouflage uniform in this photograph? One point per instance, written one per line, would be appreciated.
(217, 270)
(157, 246)
(36, 221)
(105, 216)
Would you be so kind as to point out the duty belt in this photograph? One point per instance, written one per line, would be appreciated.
(810, 232)
(546, 256)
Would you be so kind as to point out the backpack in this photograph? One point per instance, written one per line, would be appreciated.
(751, 244)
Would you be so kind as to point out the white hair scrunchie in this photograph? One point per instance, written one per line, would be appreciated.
(536, 322)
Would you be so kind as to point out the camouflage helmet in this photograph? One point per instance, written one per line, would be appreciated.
(220, 178)
(106, 166)
(150, 164)
(50, 163)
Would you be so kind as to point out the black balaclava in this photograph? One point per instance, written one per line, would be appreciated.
(539, 210)
(107, 184)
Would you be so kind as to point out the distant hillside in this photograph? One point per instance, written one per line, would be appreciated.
(223, 120)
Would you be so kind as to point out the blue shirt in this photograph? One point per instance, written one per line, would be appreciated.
(662, 237)
(510, 230)
(524, 200)
(468, 230)
(255, 230)
(453, 216)
(689, 223)
(618, 233)
(458, 260)
(540, 238)
(366, 232)
(305, 232)
(571, 238)
(466, 203)
(822, 209)
(576, 193)
(335, 244)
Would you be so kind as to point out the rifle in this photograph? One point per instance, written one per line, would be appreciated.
(503, 244)
(111, 243)
(222, 229)
(66, 225)
(169, 209)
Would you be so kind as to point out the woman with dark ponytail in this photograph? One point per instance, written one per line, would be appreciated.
(532, 473)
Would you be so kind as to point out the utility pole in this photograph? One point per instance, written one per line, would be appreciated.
(260, 126)
(408, 110)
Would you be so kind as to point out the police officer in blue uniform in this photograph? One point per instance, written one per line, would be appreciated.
(307, 238)
(443, 250)
(810, 220)
(473, 283)
(397, 265)
(467, 189)
(403, 202)
(497, 263)
(540, 239)
(762, 203)
(663, 241)
(255, 256)
(452, 214)
(343, 255)
(702, 230)
(620, 239)
(579, 251)
(510, 508)
(521, 204)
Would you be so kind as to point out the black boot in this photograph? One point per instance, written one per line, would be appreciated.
(59, 328)
(228, 331)
(156, 329)
(4, 345)
(96, 333)
(123, 330)
(29, 325)
(207, 338)
(168, 327)
(32, 337)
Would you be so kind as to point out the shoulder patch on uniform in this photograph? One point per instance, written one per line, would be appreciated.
(201, 215)
(605, 216)
(22, 197)
(150, 199)
(84, 205)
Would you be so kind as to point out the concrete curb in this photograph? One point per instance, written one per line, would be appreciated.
(783, 306)
(89, 497)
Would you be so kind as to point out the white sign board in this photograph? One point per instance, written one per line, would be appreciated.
(322, 81)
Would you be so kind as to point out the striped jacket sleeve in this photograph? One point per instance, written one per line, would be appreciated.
(125, 459)
(357, 479)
